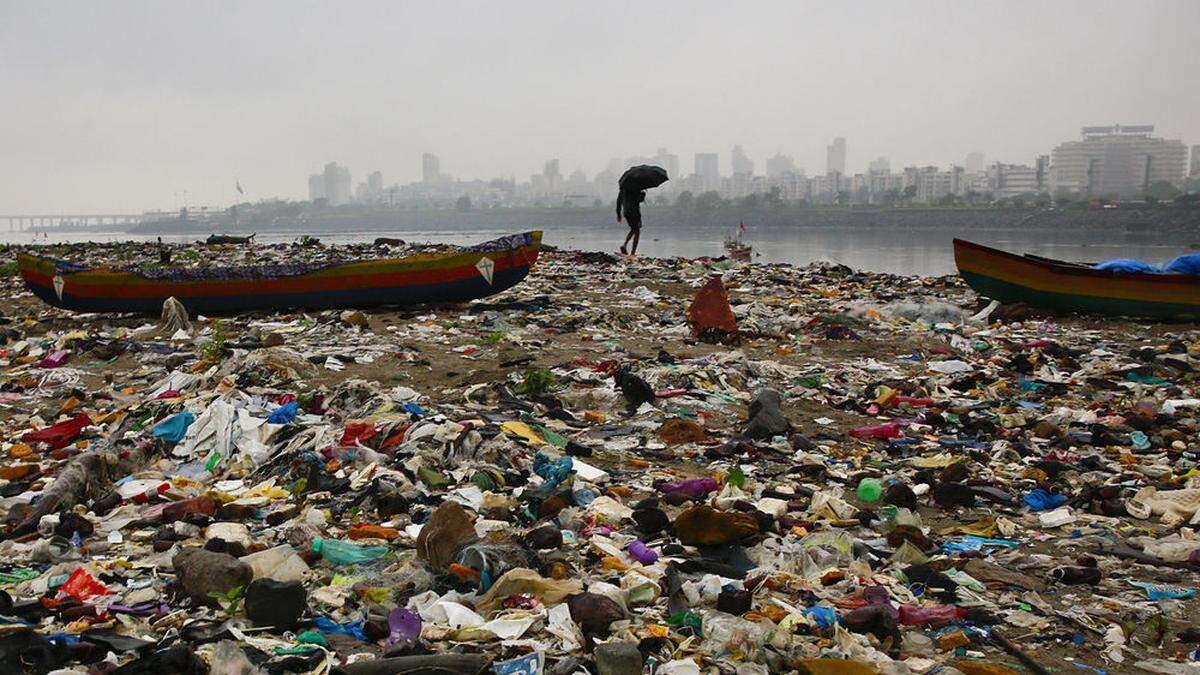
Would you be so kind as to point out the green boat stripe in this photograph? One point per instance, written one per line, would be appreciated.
(1008, 292)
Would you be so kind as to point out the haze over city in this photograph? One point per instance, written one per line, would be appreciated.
(134, 105)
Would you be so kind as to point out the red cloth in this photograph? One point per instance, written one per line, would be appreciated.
(59, 435)
(356, 433)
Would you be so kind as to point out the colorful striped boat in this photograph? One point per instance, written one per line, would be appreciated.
(455, 276)
(1076, 287)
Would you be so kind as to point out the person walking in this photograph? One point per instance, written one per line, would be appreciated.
(630, 201)
(633, 184)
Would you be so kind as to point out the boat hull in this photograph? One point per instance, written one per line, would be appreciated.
(1050, 284)
(427, 278)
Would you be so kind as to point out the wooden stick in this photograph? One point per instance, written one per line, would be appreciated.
(1010, 647)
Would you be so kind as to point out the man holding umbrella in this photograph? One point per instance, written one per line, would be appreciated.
(633, 185)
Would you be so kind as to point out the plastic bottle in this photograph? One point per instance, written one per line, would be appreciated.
(912, 615)
(344, 553)
(887, 430)
(869, 490)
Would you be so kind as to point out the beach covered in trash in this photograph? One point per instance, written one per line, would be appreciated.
(660, 465)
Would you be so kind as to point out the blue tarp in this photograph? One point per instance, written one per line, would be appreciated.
(1185, 264)
(1126, 266)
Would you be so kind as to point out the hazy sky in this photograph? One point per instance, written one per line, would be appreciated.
(123, 106)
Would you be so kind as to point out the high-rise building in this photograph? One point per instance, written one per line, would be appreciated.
(1117, 160)
(974, 163)
(375, 182)
(316, 187)
(1042, 164)
(1195, 169)
(431, 168)
(1013, 180)
(337, 184)
(880, 165)
(835, 157)
(669, 162)
(740, 163)
(550, 170)
(780, 165)
(708, 168)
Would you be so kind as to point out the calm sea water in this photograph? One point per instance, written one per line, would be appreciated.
(916, 251)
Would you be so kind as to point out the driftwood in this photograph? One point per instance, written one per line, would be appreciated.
(84, 477)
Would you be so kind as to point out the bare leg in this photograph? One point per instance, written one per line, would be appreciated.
(627, 238)
(637, 234)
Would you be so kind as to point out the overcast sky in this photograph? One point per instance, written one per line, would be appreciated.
(124, 106)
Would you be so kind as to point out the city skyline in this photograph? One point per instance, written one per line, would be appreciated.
(1119, 161)
(136, 122)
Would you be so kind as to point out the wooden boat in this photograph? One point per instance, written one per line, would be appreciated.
(739, 251)
(216, 239)
(455, 276)
(735, 247)
(1076, 287)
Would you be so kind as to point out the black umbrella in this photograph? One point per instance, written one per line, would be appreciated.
(643, 177)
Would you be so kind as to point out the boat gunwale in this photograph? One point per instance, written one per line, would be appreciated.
(231, 272)
(1065, 268)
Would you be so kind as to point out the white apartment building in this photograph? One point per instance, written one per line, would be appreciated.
(1117, 160)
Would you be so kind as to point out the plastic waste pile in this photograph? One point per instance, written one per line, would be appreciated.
(867, 473)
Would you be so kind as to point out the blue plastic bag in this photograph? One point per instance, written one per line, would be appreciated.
(553, 471)
(824, 617)
(173, 429)
(328, 626)
(285, 413)
(1160, 591)
(1185, 264)
(1127, 266)
(1041, 500)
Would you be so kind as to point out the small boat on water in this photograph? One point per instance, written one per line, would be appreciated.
(216, 239)
(454, 276)
(736, 248)
(1076, 287)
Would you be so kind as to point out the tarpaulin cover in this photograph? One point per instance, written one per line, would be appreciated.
(1126, 266)
(1184, 264)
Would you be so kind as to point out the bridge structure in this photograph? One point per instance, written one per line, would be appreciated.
(17, 223)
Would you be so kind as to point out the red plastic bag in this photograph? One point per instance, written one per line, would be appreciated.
(59, 435)
(81, 585)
